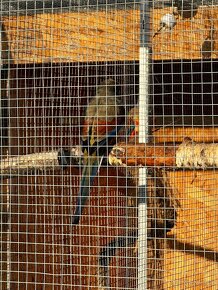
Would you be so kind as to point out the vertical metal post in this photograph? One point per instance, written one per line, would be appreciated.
(144, 70)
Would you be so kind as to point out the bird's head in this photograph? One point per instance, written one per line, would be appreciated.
(106, 88)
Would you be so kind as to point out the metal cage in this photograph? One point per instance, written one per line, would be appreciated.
(108, 121)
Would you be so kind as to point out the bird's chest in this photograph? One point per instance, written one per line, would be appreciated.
(99, 128)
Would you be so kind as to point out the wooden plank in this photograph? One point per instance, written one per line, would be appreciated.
(93, 36)
(177, 134)
(192, 254)
(186, 39)
(105, 36)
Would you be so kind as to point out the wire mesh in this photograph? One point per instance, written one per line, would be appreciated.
(72, 183)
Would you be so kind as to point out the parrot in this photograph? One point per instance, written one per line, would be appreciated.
(103, 119)
(133, 122)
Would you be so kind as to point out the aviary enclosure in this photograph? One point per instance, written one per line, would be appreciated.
(109, 155)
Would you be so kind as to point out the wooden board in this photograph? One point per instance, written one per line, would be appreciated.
(197, 134)
(190, 259)
(105, 36)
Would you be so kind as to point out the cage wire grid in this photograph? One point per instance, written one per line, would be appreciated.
(108, 144)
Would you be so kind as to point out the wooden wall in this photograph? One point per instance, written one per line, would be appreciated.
(106, 36)
(190, 256)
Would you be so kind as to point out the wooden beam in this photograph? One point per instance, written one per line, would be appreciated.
(189, 154)
(177, 134)
(143, 154)
(105, 36)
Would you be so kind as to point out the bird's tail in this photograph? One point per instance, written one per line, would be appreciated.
(90, 170)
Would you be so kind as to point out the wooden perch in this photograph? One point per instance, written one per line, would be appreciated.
(52, 160)
(188, 154)
(143, 154)
(185, 155)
